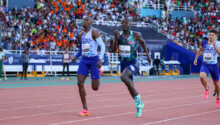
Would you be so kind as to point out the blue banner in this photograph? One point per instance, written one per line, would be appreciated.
(14, 59)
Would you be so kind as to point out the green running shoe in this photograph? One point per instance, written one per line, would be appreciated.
(139, 110)
(214, 93)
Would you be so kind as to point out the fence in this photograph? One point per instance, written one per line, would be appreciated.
(52, 64)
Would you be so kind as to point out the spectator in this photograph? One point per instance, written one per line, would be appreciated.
(66, 60)
(2, 58)
(25, 58)
(157, 63)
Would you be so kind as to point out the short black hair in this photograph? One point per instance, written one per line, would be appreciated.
(213, 31)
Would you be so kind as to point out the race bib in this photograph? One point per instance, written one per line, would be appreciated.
(124, 50)
(86, 49)
(208, 57)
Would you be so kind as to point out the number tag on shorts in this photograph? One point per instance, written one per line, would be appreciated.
(86, 49)
(125, 50)
(208, 57)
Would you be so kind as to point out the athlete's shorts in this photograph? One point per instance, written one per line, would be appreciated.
(212, 69)
(132, 65)
(89, 63)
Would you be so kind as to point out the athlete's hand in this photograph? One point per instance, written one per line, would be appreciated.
(116, 33)
(213, 43)
(99, 64)
(195, 62)
(74, 59)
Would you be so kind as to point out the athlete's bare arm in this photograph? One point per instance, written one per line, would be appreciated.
(115, 43)
(78, 41)
(216, 48)
(95, 35)
(198, 54)
(139, 38)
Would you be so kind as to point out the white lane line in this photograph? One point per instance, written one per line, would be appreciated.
(179, 98)
(91, 96)
(99, 100)
(107, 116)
(186, 116)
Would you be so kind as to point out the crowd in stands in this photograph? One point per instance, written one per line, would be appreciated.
(188, 32)
(192, 31)
(51, 24)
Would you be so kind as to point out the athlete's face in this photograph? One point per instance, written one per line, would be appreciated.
(125, 25)
(212, 36)
(87, 21)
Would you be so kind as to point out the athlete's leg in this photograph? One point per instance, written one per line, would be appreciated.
(126, 78)
(81, 79)
(95, 73)
(204, 72)
(216, 83)
(95, 84)
(215, 76)
(203, 76)
(81, 76)
(82, 92)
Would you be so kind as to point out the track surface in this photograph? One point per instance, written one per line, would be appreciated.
(176, 101)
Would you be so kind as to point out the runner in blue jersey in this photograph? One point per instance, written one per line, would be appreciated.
(211, 50)
(218, 42)
(126, 42)
(89, 40)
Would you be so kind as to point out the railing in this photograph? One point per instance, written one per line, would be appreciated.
(161, 6)
(139, 24)
(187, 46)
(112, 58)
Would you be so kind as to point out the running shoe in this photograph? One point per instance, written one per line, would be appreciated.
(84, 113)
(214, 93)
(206, 94)
(139, 110)
(217, 103)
